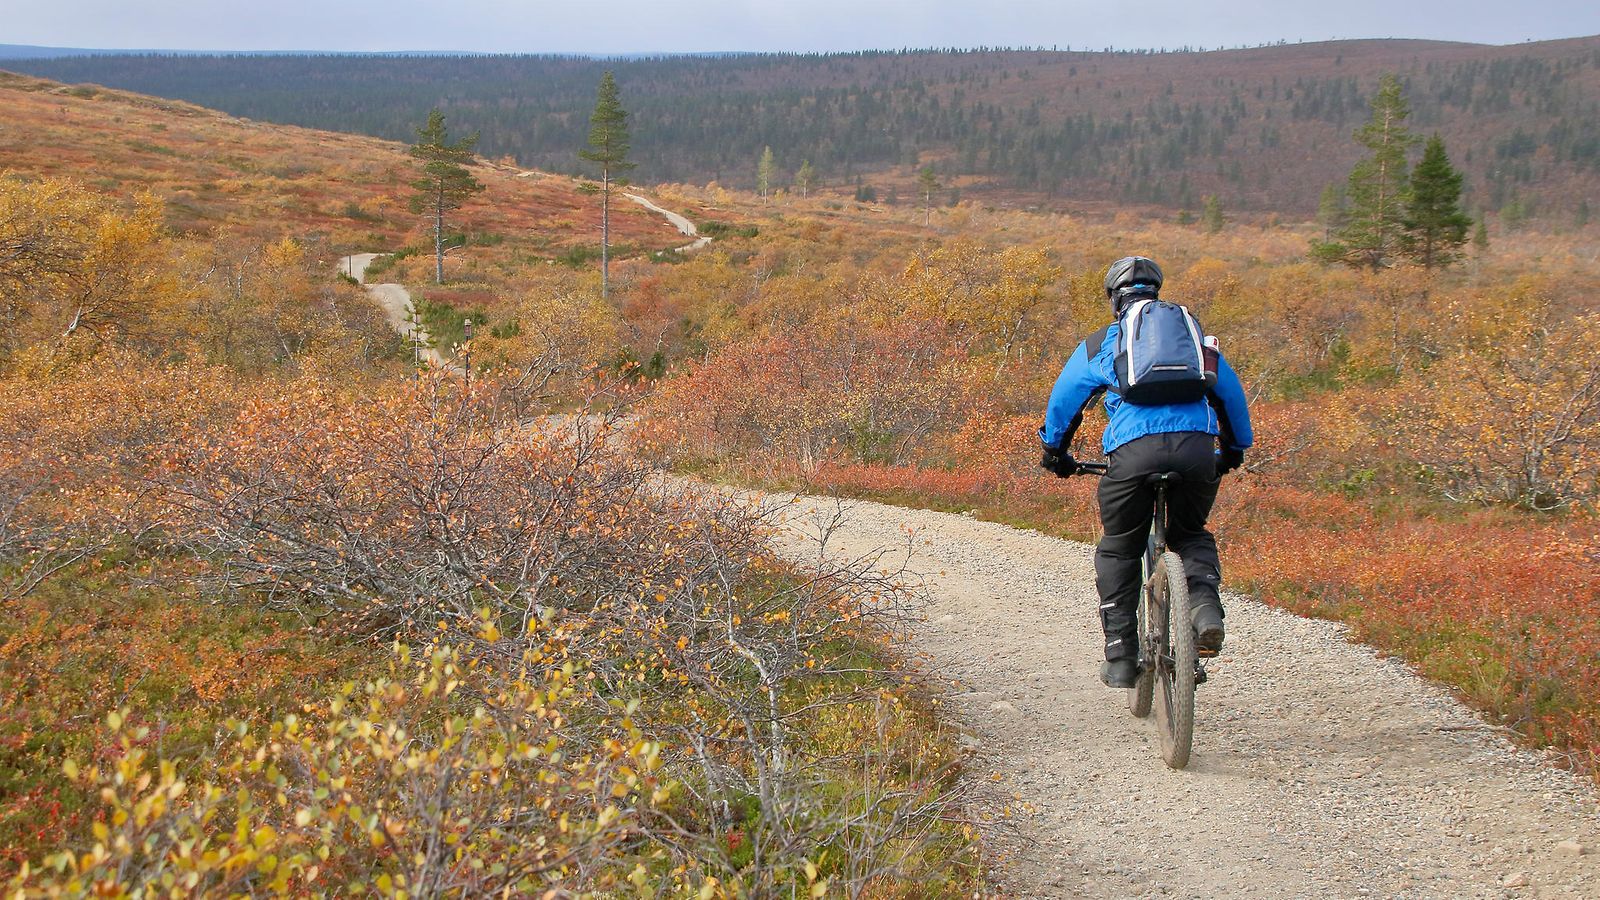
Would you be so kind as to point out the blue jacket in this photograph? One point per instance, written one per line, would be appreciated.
(1089, 372)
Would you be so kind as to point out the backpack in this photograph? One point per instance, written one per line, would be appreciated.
(1162, 355)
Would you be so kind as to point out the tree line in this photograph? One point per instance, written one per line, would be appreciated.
(1147, 129)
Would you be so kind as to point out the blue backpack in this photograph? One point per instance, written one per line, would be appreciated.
(1161, 355)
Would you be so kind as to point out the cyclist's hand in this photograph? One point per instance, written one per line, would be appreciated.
(1059, 461)
(1229, 459)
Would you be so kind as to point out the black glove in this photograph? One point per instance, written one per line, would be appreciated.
(1229, 459)
(1059, 461)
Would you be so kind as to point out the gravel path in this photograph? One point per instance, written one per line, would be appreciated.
(1319, 769)
(679, 221)
(396, 303)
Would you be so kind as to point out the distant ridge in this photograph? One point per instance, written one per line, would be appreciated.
(1264, 129)
(31, 51)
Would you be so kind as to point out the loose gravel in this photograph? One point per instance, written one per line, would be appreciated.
(1320, 769)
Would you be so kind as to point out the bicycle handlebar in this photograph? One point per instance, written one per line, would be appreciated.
(1092, 468)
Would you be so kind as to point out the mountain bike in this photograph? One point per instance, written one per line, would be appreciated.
(1168, 657)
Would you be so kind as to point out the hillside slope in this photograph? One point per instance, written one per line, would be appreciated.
(1263, 128)
(215, 171)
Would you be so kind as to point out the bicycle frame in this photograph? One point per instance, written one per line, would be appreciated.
(1157, 545)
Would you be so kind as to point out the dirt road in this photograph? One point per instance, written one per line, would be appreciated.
(396, 303)
(680, 222)
(1319, 769)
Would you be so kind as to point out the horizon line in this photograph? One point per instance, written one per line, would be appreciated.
(68, 51)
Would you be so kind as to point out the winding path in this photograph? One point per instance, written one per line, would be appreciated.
(1319, 769)
(679, 221)
(396, 303)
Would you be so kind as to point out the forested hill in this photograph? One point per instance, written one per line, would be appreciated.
(1264, 129)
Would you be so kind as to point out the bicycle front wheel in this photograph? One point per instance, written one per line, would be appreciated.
(1176, 671)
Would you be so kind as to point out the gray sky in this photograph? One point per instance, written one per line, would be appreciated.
(630, 26)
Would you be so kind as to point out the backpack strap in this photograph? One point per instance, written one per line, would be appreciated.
(1097, 340)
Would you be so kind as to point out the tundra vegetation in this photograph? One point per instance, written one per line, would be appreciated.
(280, 618)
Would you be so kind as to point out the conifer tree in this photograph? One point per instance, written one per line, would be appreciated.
(1211, 217)
(1480, 236)
(1378, 187)
(764, 172)
(608, 148)
(1435, 226)
(445, 182)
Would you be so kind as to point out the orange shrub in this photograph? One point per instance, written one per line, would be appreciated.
(796, 399)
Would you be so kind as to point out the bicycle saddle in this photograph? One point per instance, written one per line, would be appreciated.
(1164, 477)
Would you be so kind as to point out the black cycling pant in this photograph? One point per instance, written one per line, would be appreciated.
(1127, 508)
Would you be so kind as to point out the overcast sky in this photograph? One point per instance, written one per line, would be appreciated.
(641, 26)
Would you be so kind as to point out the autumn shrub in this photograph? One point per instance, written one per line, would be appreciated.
(82, 268)
(121, 628)
(795, 399)
(1512, 623)
(1513, 421)
(413, 510)
(445, 778)
(417, 509)
(78, 436)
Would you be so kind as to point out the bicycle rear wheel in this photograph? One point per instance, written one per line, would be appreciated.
(1176, 670)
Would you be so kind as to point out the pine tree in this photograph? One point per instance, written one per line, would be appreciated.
(1378, 186)
(1435, 226)
(927, 183)
(608, 148)
(1480, 236)
(804, 178)
(445, 182)
(1211, 217)
(764, 172)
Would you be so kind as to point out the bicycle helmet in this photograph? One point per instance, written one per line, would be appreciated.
(1129, 276)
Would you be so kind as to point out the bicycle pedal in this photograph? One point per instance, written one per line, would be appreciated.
(1199, 674)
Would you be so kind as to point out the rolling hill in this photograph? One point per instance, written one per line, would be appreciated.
(1265, 129)
(335, 192)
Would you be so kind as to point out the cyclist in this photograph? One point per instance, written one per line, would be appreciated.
(1143, 440)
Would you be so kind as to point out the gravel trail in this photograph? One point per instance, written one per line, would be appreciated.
(1319, 769)
(678, 220)
(396, 303)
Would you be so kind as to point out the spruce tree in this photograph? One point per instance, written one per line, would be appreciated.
(445, 182)
(1480, 236)
(1435, 226)
(1378, 186)
(608, 148)
(1211, 217)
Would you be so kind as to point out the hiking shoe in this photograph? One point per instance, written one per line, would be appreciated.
(1208, 629)
(1120, 673)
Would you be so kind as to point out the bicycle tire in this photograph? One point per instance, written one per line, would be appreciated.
(1175, 711)
(1143, 690)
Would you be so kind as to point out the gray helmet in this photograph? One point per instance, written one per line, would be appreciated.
(1132, 274)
